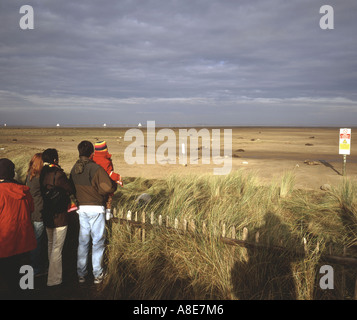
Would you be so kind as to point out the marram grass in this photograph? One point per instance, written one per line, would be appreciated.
(171, 265)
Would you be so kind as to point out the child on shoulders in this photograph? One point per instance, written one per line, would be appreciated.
(102, 157)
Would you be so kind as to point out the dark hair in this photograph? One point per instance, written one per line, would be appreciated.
(50, 156)
(7, 169)
(85, 148)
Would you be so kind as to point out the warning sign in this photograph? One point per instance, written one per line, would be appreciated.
(345, 141)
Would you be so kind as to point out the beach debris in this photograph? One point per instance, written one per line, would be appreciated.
(245, 162)
(14, 140)
(240, 150)
(312, 163)
(325, 187)
(2, 149)
(308, 144)
(312, 137)
(236, 155)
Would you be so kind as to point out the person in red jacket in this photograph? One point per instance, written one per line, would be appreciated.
(102, 157)
(17, 236)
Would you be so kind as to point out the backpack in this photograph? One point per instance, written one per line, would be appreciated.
(56, 199)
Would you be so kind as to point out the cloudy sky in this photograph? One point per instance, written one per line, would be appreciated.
(178, 62)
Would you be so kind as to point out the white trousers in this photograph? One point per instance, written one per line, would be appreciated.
(56, 238)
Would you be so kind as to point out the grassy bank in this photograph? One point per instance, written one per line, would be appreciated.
(170, 265)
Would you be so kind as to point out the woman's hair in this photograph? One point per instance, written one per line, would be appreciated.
(35, 166)
(50, 156)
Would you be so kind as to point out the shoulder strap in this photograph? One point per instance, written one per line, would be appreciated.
(54, 178)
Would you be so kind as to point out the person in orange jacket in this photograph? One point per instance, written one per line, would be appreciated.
(17, 236)
(102, 157)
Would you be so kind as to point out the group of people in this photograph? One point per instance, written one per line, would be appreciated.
(43, 204)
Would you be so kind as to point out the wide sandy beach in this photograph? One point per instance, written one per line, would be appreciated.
(311, 153)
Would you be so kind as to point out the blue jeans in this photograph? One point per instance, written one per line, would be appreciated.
(37, 254)
(91, 225)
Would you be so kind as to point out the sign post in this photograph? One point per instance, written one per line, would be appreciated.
(345, 146)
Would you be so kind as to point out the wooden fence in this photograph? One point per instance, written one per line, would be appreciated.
(228, 237)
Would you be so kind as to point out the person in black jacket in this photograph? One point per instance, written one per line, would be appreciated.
(56, 221)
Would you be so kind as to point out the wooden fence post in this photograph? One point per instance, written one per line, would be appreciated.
(233, 234)
(137, 230)
(245, 234)
(152, 218)
(143, 220)
(244, 250)
(167, 221)
(224, 230)
(128, 216)
(184, 225)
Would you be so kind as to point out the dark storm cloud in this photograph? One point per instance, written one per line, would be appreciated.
(186, 62)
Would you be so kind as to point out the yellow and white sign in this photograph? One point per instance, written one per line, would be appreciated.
(345, 141)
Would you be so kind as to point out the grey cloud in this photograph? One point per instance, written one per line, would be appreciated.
(168, 57)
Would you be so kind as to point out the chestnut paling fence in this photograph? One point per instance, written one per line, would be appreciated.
(144, 223)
